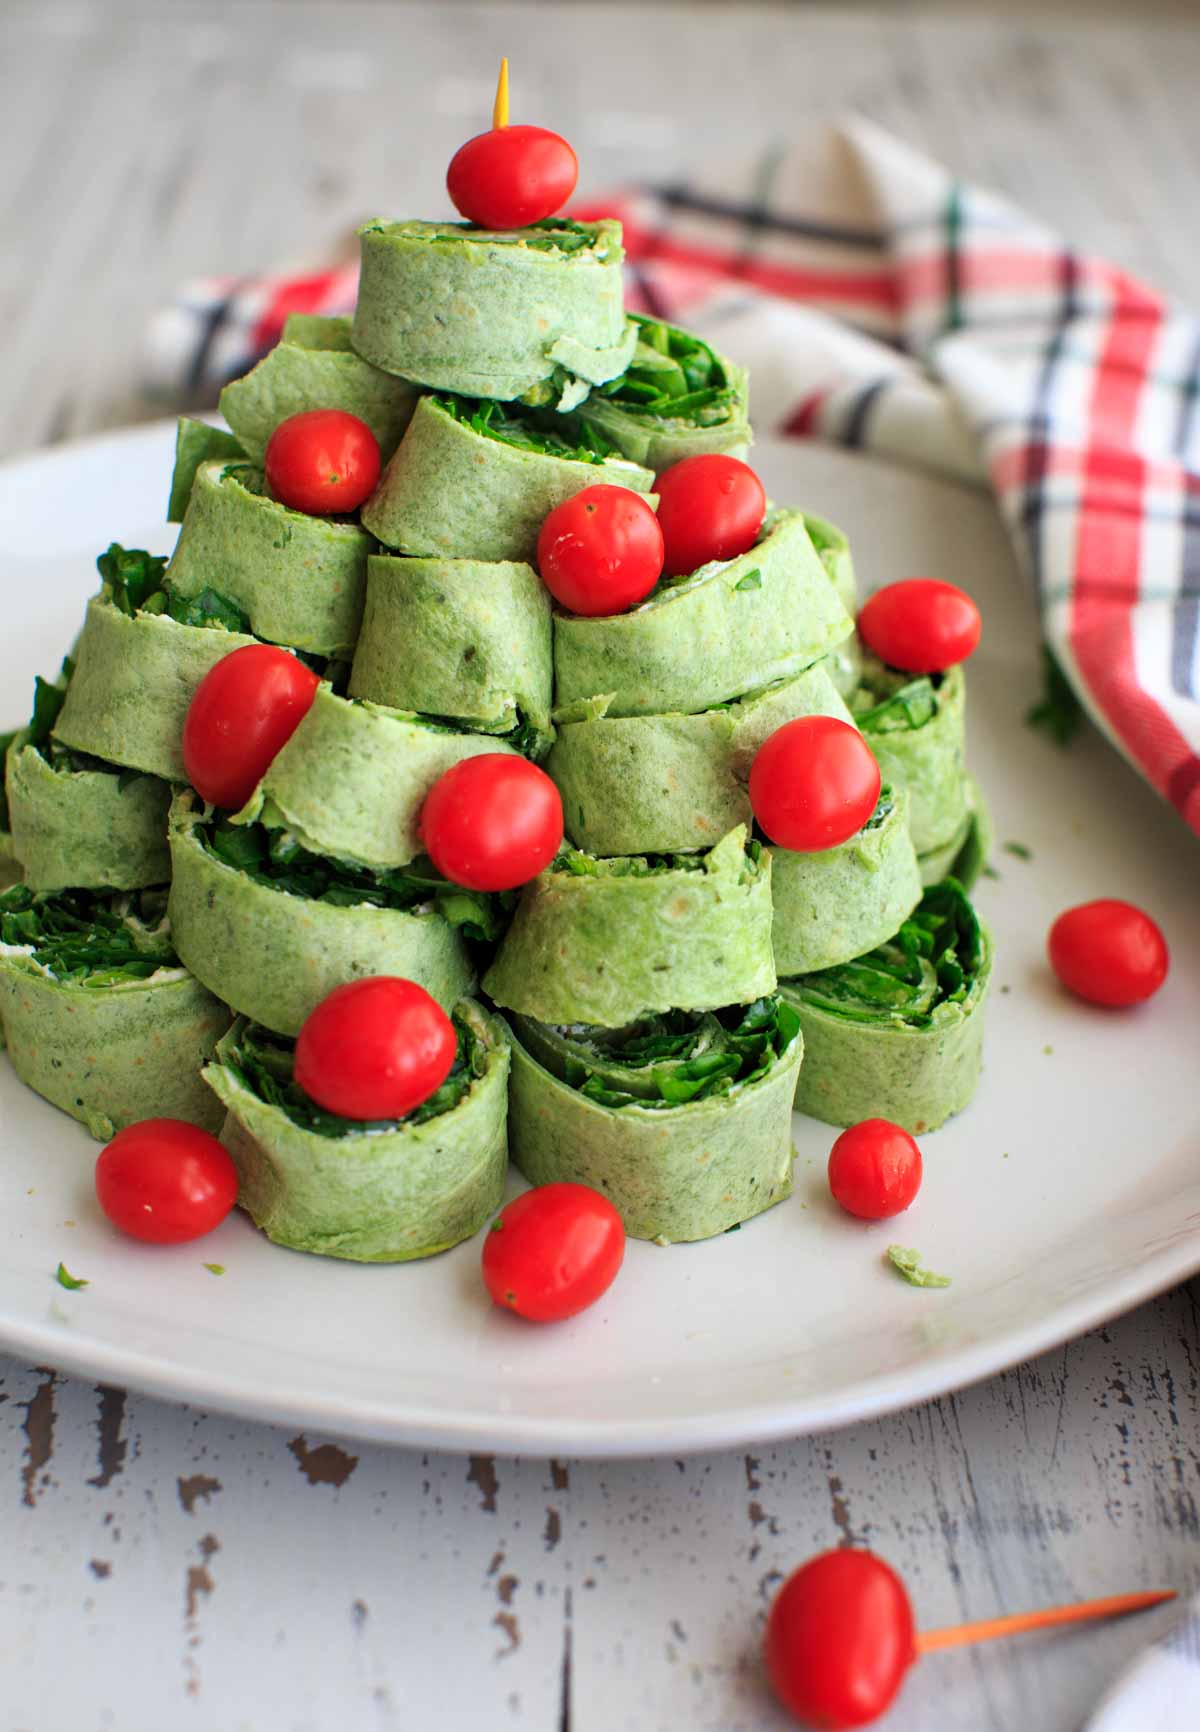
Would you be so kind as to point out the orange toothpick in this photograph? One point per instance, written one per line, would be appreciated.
(500, 106)
(988, 1629)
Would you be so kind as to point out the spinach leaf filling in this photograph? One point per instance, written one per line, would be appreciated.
(90, 938)
(526, 431)
(673, 376)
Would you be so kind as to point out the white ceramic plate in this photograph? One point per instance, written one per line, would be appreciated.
(1069, 1191)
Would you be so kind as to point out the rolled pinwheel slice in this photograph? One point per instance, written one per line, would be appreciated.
(897, 1033)
(832, 905)
(99, 1017)
(474, 480)
(676, 399)
(682, 1121)
(81, 823)
(731, 627)
(372, 1192)
(606, 941)
(965, 855)
(299, 580)
(831, 543)
(10, 871)
(351, 780)
(495, 313)
(916, 728)
(667, 784)
(458, 637)
(272, 930)
(135, 675)
(196, 443)
(314, 367)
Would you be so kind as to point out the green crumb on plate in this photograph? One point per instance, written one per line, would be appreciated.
(1047, 1050)
(1019, 849)
(908, 1264)
(65, 1279)
(215, 1268)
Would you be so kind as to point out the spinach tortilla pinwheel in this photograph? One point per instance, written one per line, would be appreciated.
(676, 399)
(916, 728)
(898, 1033)
(666, 784)
(142, 653)
(351, 780)
(832, 905)
(457, 637)
(314, 367)
(682, 1121)
(495, 313)
(965, 855)
(475, 480)
(606, 941)
(196, 443)
(99, 1017)
(833, 547)
(373, 1192)
(296, 579)
(272, 929)
(10, 871)
(731, 627)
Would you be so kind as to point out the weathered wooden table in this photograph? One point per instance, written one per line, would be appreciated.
(164, 1568)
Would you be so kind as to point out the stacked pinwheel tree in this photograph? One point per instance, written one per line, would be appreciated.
(656, 990)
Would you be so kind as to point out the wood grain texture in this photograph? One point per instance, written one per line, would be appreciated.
(163, 1567)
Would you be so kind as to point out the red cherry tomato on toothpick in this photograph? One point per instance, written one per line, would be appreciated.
(244, 712)
(709, 507)
(840, 1637)
(322, 461)
(1108, 952)
(553, 1251)
(874, 1170)
(513, 175)
(601, 551)
(492, 822)
(922, 625)
(813, 784)
(375, 1049)
(165, 1181)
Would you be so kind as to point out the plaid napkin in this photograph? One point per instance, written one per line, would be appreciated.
(880, 303)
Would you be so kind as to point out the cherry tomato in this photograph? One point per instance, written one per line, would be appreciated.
(840, 1637)
(709, 507)
(375, 1049)
(511, 176)
(492, 822)
(1108, 952)
(923, 625)
(813, 784)
(322, 461)
(165, 1181)
(553, 1251)
(601, 551)
(874, 1169)
(244, 712)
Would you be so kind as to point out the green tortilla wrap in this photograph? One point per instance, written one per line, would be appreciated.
(298, 579)
(916, 729)
(494, 314)
(77, 822)
(729, 628)
(134, 679)
(897, 1034)
(351, 781)
(10, 871)
(314, 367)
(831, 543)
(99, 1018)
(196, 443)
(666, 784)
(375, 1193)
(475, 481)
(606, 941)
(676, 399)
(457, 637)
(833, 905)
(272, 932)
(684, 1122)
(965, 855)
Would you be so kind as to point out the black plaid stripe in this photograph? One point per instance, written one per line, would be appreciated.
(1037, 464)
